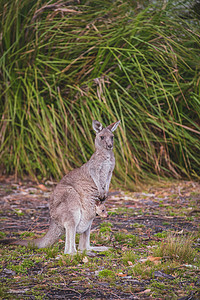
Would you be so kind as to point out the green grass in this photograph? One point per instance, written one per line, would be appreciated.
(128, 257)
(106, 273)
(111, 268)
(108, 61)
(177, 248)
(128, 239)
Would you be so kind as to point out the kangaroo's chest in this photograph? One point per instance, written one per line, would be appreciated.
(105, 170)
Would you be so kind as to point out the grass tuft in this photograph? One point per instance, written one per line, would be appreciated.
(128, 239)
(177, 248)
(128, 257)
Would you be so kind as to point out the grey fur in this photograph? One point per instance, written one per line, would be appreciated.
(101, 209)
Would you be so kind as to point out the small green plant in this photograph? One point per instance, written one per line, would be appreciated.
(22, 267)
(112, 213)
(129, 239)
(162, 234)
(137, 225)
(190, 218)
(142, 270)
(159, 285)
(99, 238)
(105, 227)
(127, 257)
(37, 293)
(52, 252)
(162, 288)
(3, 293)
(27, 233)
(71, 260)
(19, 212)
(107, 274)
(172, 213)
(166, 223)
(123, 210)
(106, 224)
(2, 234)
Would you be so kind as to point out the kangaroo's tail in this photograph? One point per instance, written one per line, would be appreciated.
(52, 236)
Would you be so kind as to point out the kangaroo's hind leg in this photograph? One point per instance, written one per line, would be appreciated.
(84, 242)
(70, 214)
(70, 235)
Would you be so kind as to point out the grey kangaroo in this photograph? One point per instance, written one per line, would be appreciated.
(73, 202)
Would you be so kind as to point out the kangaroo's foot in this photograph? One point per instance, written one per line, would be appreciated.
(90, 253)
(98, 248)
(69, 252)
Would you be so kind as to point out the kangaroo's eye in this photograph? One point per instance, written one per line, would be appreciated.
(102, 137)
(112, 137)
(102, 210)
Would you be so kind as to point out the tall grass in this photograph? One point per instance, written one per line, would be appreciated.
(64, 64)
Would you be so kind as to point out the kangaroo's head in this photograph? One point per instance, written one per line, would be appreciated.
(104, 136)
(101, 210)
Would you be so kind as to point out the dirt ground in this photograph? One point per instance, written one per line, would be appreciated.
(138, 223)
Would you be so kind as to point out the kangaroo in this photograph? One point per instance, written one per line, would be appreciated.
(101, 209)
(73, 201)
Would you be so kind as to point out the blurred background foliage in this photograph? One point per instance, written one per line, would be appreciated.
(65, 63)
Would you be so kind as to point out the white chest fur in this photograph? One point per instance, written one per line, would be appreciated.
(105, 171)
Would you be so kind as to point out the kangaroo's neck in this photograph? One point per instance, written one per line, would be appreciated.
(103, 152)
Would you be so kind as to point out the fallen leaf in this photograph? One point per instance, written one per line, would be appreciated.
(130, 263)
(192, 284)
(42, 187)
(154, 258)
(61, 241)
(85, 259)
(121, 274)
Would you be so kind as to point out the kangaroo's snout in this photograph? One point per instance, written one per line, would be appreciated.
(110, 146)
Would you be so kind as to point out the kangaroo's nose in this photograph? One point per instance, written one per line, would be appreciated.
(110, 146)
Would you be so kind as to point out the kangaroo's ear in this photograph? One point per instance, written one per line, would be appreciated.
(112, 127)
(97, 126)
